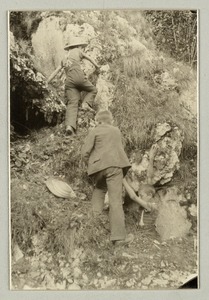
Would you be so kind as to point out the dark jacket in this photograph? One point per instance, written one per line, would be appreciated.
(103, 147)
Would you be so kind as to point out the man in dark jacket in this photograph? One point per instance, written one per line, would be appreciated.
(107, 165)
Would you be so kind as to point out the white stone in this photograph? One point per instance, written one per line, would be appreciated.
(17, 253)
(85, 278)
(61, 286)
(75, 263)
(74, 286)
(146, 281)
(77, 272)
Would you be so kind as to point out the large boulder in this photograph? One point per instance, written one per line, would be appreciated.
(159, 163)
(171, 221)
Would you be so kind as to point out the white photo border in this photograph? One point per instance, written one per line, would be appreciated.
(203, 7)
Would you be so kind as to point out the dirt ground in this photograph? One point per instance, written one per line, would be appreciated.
(87, 259)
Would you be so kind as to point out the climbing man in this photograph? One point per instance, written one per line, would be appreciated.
(75, 82)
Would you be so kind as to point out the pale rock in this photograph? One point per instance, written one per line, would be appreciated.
(34, 274)
(65, 272)
(49, 260)
(110, 283)
(137, 46)
(188, 98)
(156, 242)
(25, 187)
(78, 251)
(35, 264)
(172, 220)
(106, 201)
(17, 253)
(135, 268)
(70, 280)
(99, 274)
(27, 287)
(74, 286)
(102, 283)
(85, 278)
(144, 287)
(165, 158)
(160, 282)
(195, 244)
(167, 80)
(83, 256)
(61, 263)
(165, 276)
(61, 286)
(122, 25)
(105, 93)
(193, 210)
(52, 137)
(48, 281)
(161, 130)
(153, 273)
(124, 254)
(146, 281)
(82, 196)
(162, 264)
(44, 258)
(188, 196)
(75, 263)
(77, 272)
(12, 40)
(129, 283)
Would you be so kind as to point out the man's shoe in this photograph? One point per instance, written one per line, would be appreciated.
(86, 106)
(69, 130)
(129, 239)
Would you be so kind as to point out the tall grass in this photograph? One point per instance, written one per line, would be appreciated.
(138, 106)
(138, 64)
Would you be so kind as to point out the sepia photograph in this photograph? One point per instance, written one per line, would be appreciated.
(104, 190)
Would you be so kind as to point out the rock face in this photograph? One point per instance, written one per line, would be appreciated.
(160, 162)
(166, 160)
(171, 221)
(54, 36)
(158, 166)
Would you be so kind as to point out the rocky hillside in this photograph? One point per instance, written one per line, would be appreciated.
(153, 98)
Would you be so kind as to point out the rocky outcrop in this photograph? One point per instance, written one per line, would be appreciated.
(160, 162)
(171, 221)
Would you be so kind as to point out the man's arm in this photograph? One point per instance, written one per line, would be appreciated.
(134, 197)
(54, 74)
(91, 60)
(88, 145)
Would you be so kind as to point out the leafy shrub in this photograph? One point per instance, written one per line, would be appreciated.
(175, 32)
(24, 23)
(29, 92)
